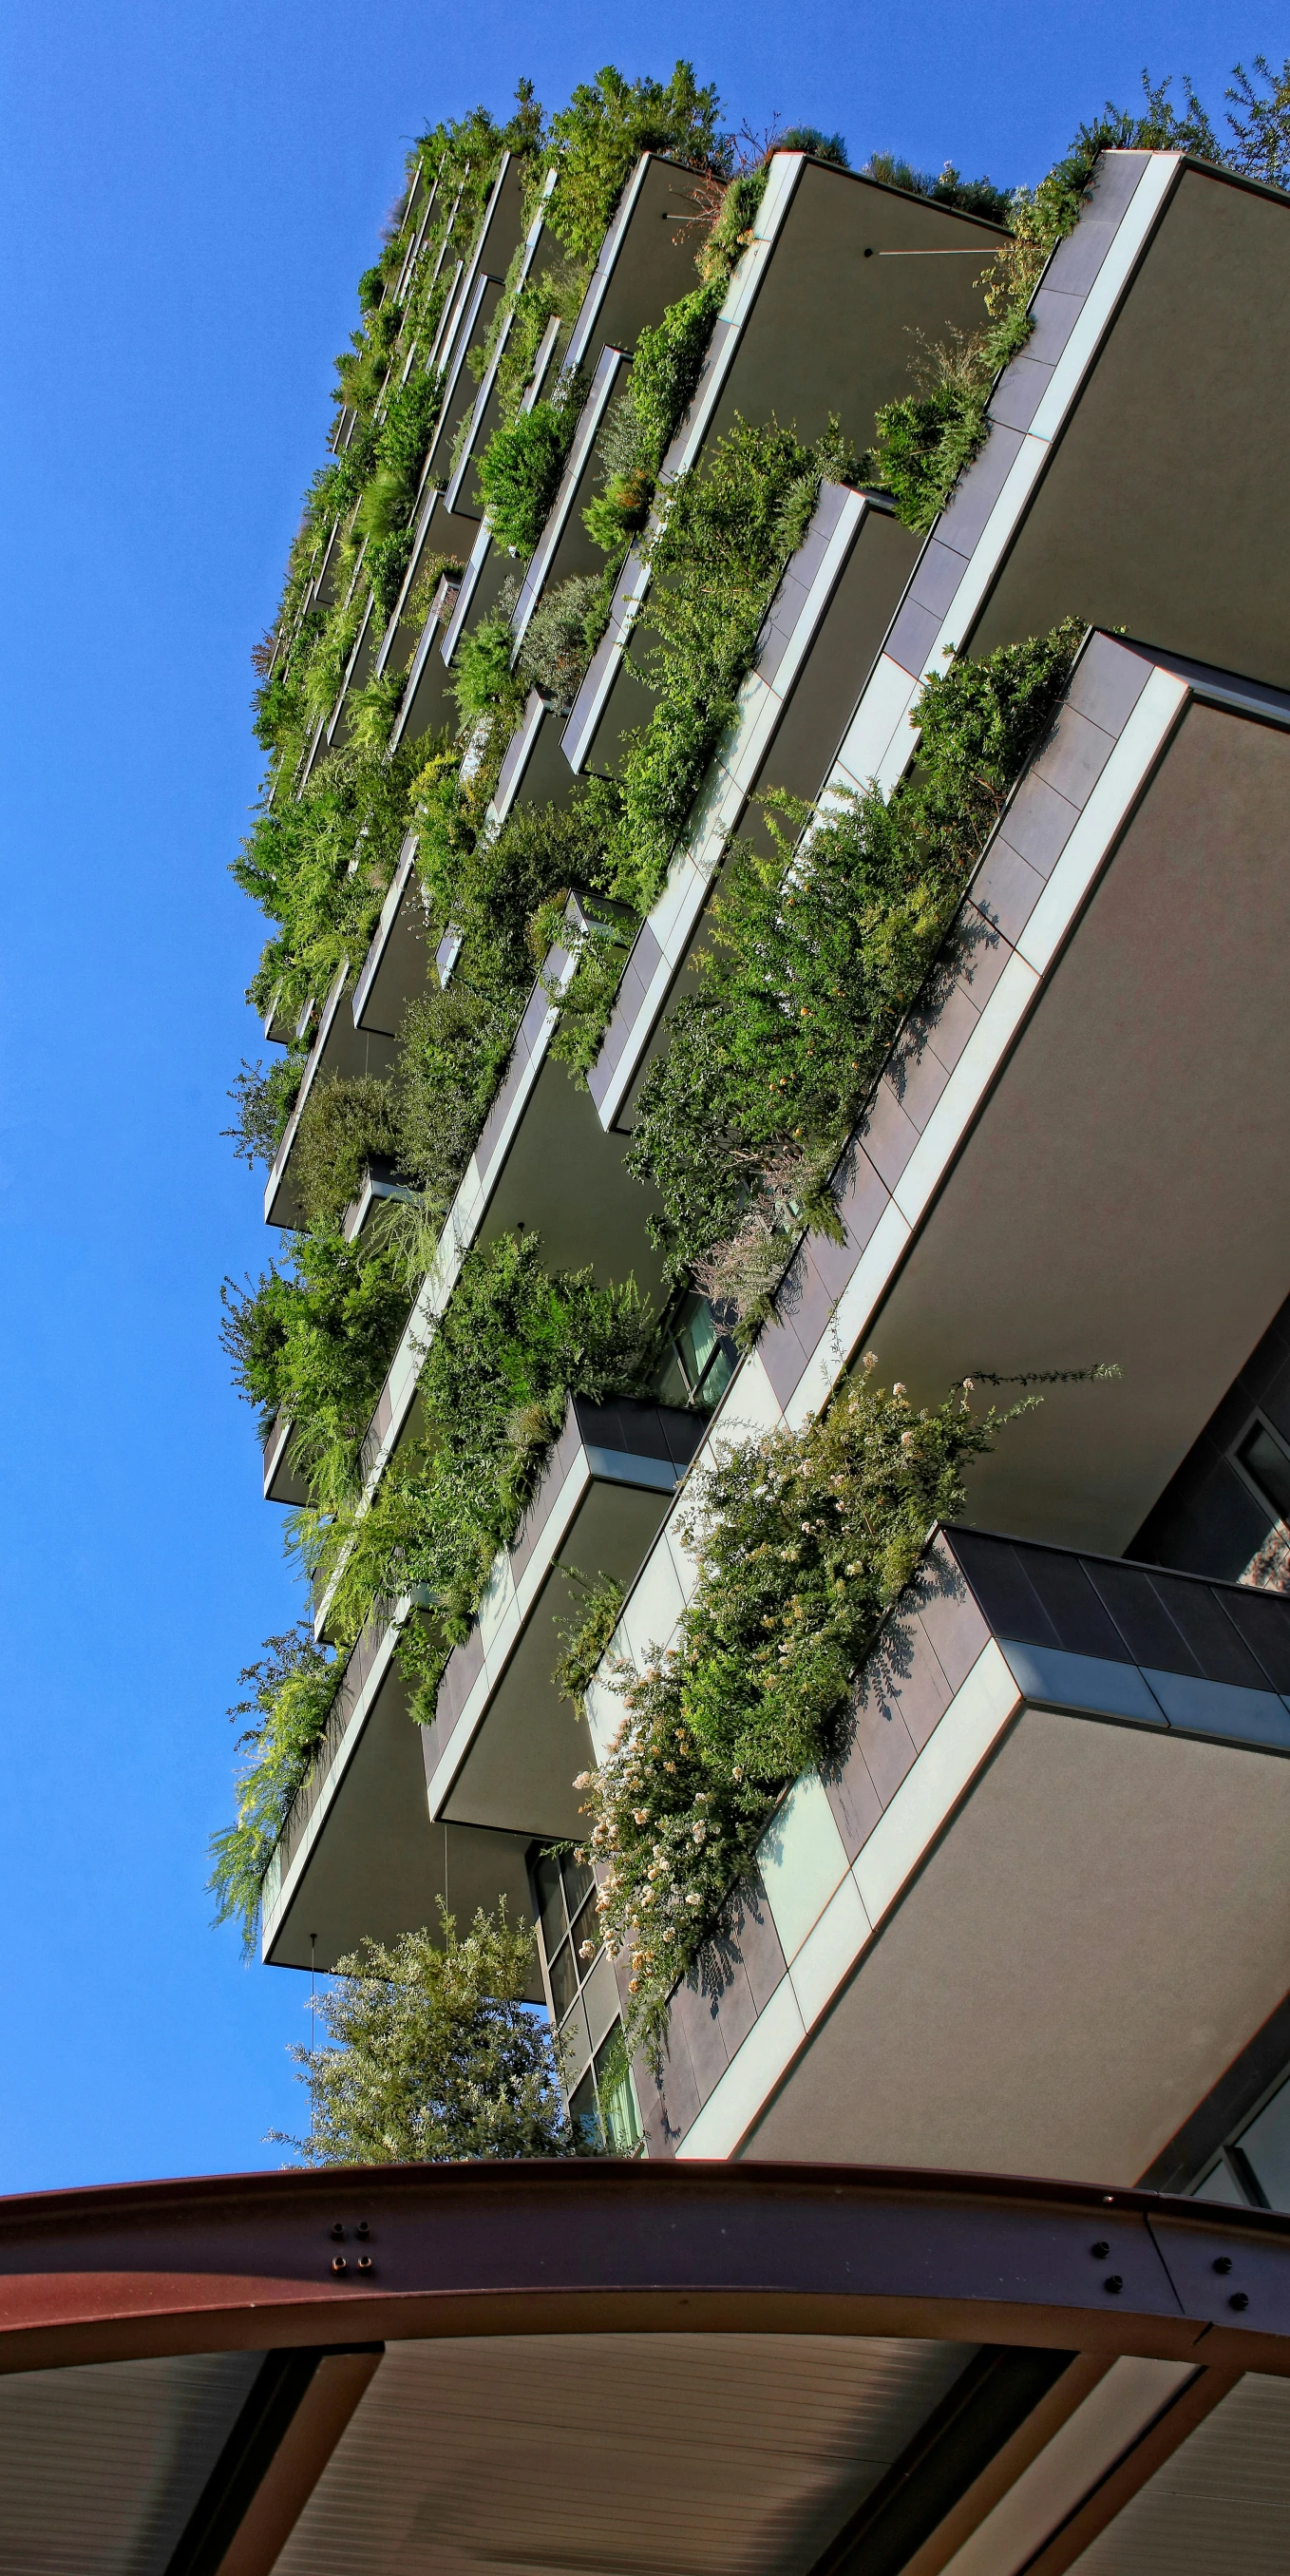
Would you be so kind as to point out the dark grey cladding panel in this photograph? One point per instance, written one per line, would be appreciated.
(1037, 825)
(1108, 681)
(536, 1518)
(462, 1671)
(1017, 397)
(961, 523)
(1119, 1612)
(949, 1616)
(637, 976)
(936, 576)
(1074, 265)
(1053, 316)
(669, 2097)
(1074, 757)
(911, 639)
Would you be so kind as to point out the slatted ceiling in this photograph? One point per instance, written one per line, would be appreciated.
(101, 2466)
(1220, 2506)
(721, 2455)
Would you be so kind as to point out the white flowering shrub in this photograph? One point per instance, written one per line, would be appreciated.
(804, 1540)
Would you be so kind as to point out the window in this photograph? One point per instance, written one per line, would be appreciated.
(602, 2097)
(701, 1360)
(1267, 1466)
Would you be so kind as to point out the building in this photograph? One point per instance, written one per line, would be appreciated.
(1026, 1917)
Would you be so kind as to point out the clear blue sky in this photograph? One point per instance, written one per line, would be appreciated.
(189, 193)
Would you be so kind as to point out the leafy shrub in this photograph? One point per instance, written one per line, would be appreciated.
(316, 1341)
(822, 147)
(264, 1097)
(514, 1344)
(814, 960)
(482, 681)
(597, 139)
(520, 469)
(970, 196)
(292, 1689)
(432, 2055)
(454, 1046)
(345, 1124)
(805, 1539)
(296, 863)
(561, 636)
(730, 529)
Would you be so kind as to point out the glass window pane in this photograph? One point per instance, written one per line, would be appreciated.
(550, 1898)
(1267, 2144)
(564, 1981)
(578, 1883)
(1267, 1462)
(617, 2093)
(584, 2112)
(586, 1930)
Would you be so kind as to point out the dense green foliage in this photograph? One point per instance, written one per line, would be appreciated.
(597, 139)
(292, 1689)
(925, 439)
(297, 865)
(969, 196)
(804, 1541)
(431, 2054)
(514, 1344)
(729, 529)
(814, 959)
(315, 1341)
(520, 469)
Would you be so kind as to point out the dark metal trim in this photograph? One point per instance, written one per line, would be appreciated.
(986, 2405)
(277, 2391)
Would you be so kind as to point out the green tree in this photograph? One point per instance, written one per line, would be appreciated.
(432, 2054)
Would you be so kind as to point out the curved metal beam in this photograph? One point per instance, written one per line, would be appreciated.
(375, 2254)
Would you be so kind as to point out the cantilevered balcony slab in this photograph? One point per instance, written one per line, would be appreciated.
(646, 261)
(1037, 1905)
(358, 1855)
(564, 548)
(534, 770)
(426, 705)
(471, 306)
(1106, 487)
(504, 1746)
(338, 1049)
(395, 965)
(543, 1165)
(436, 530)
(1078, 1128)
(825, 242)
(539, 247)
(816, 650)
(282, 1481)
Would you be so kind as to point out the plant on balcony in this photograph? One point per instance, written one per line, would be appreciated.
(292, 1689)
(314, 1340)
(318, 863)
(926, 438)
(816, 955)
(804, 1541)
(519, 471)
(561, 636)
(730, 528)
(263, 1098)
(432, 2053)
(514, 1344)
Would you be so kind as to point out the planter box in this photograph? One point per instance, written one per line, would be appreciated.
(1011, 1925)
(358, 1853)
(504, 1747)
(825, 242)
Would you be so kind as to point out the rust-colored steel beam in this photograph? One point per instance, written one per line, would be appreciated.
(366, 2255)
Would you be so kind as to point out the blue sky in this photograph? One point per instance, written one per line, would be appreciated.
(189, 194)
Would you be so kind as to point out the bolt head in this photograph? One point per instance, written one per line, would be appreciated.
(1114, 2282)
(1222, 2262)
(1239, 2299)
(1100, 2250)
(338, 2263)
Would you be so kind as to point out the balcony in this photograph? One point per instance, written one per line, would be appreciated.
(358, 1854)
(816, 650)
(504, 1747)
(1162, 336)
(338, 1049)
(540, 248)
(824, 241)
(1036, 1908)
(468, 312)
(426, 706)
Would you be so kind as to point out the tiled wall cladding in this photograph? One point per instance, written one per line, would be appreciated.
(1184, 1654)
(1057, 307)
(1030, 838)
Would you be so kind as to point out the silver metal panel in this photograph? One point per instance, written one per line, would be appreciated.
(709, 2453)
(101, 2467)
(1220, 2506)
